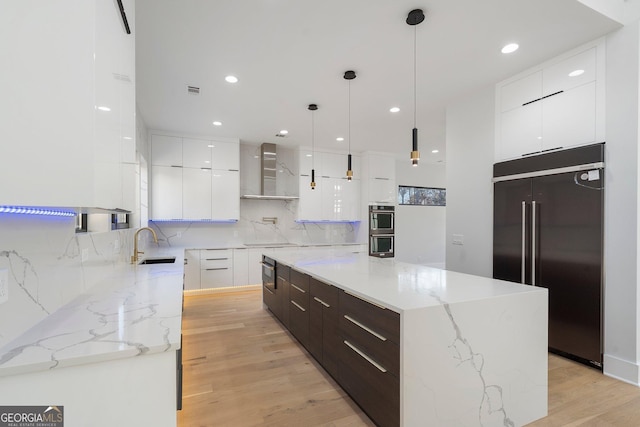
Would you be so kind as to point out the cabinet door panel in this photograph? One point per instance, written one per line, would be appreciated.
(521, 131)
(569, 118)
(196, 193)
(166, 150)
(196, 153)
(310, 203)
(565, 74)
(516, 93)
(192, 270)
(225, 155)
(382, 190)
(334, 165)
(240, 267)
(166, 192)
(216, 277)
(225, 203)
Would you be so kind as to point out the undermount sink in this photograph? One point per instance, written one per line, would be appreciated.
(158, 260)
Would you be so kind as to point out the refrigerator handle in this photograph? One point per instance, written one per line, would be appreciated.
(524, 222)
(533, 243)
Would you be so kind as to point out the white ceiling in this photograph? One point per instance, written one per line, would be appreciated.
(290, 53)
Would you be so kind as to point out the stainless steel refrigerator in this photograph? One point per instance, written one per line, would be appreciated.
(548, 232)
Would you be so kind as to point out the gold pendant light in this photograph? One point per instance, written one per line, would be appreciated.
(313, 108)
(348, 76)
(415, 17)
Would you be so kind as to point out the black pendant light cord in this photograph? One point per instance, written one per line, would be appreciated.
(415, 72)
(349, 113)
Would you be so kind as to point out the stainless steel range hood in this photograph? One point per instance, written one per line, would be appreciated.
(268, 175)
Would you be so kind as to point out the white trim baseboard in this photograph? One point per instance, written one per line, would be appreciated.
(622, 370)
(207, 291)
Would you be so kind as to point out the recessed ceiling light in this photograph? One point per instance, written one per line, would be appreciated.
(434, 151)
(127, 137)
(510, 48)
(284, 132)
(103, 108)
(217, 123)
(309, 155)
(394, 109)
(211, 146)
(576, 73)
(231, 79)
(339, 139)
(207, 161)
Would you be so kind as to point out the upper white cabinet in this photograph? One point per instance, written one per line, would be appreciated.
(334, 198)
(556, 105)
(379, 178)
(194, 179)
(70, 122)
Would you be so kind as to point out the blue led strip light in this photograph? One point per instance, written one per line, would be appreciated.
(29, 210)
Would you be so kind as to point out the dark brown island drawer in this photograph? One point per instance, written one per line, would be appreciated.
(301, 280)
(270, 299)
(299, 295)
(375, 391)
(385, 352)
(283, 271)
(380, 321)
(299, 322)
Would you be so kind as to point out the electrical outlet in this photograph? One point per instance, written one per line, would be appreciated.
(85, 255)
(458, 239)
(4, 285)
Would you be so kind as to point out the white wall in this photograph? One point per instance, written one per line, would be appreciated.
(420, 230)
(621, 338)
(470, 146)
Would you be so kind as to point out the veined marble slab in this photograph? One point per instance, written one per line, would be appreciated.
(473, 350)
(135, 310)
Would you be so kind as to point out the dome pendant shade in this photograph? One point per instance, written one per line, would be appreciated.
(415, 17)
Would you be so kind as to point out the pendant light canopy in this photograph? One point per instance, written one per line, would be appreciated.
(415, 17)
(313, 107)
(348, 76)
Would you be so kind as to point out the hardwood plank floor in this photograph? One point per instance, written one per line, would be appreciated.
(242, 368)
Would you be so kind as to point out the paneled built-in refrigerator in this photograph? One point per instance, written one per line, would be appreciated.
(548, 232)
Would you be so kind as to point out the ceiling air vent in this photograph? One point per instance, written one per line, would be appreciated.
(192, 90)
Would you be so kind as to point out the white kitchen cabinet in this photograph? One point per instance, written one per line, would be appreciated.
(225, 155)
(225, 190)
(196, 153)
(196, 193)
(255, 265)
(166, 150)
(558, 104)
(240, 267)
(205, 193)
(379, 179)
(334, 198)
(192, 269)
(77, 70)
(166, 192)
(216, 268)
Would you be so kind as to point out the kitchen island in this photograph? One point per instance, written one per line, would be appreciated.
(111, 356)
(415, 345)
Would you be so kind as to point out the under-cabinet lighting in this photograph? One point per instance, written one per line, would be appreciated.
(30, 210)
(221, 221)
(306, 221)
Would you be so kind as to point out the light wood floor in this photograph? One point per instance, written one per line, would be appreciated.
(242, 368)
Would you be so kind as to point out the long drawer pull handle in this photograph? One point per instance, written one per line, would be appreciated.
(301, 290)
(270, 291)
(216, 259)
(362, 299)
(220, 268)
(298, 305)
(321, 302)
(374, 333)
(365, 357)
(265, 265)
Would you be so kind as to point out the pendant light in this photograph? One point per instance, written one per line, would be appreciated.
(348, 76)
(415, 17)
(312, 108)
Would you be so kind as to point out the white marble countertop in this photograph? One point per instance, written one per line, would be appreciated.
(273, 245)
(135, 310)
(396, 285)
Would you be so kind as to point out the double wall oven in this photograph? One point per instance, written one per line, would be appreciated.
(381, 231)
